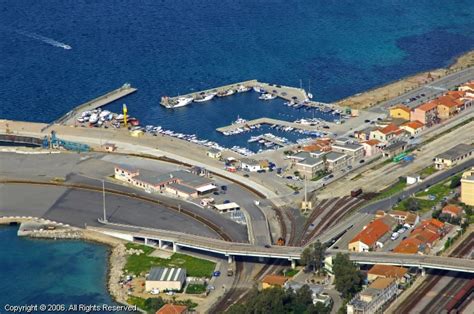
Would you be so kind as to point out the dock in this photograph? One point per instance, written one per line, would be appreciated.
(268, 121)
(96, 103)
(284, 92)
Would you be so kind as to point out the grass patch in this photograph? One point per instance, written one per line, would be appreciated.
(139, 302)
(425, 205)
(428, 171)
(293, 187)
(397, 187)
(291, 272)
(140, 264)
(439, 190)
(195, 289)
(319, 175)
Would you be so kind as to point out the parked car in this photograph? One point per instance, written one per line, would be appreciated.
(216, 273)
(394, 236)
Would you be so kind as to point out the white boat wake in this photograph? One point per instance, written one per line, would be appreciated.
(46, 40)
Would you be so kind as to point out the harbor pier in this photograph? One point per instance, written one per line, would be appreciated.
(268, 121)
(98, 102)
(284, 92)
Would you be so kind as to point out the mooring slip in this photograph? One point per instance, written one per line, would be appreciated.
(269, 121)
(71, 116)
(272, 90)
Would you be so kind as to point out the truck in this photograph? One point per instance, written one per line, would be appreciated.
(355, 193)
(230, 272)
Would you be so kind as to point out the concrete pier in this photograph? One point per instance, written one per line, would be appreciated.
(98, 102)
(268, 121)
(284, 92)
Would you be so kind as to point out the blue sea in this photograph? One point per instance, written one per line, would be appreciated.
(172, 47)
(51, 272)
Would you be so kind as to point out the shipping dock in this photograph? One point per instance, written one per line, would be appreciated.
(71, 116)
(273, 90)
(267, 121)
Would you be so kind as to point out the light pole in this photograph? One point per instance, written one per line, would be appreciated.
(103, 200)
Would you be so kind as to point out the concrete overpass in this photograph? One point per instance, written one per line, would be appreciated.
(231, 249)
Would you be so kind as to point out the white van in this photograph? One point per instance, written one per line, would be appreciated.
(394, 236)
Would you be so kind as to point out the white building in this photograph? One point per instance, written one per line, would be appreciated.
(165, 279)
(251, 165)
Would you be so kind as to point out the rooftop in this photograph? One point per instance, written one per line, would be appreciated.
(182, 188)
(456, 152)
(250, 161)
(310, 161)
(190, 179)
(452, 209)
(372, 142)
(395, 145)
(387, 271)
(334, 156)
(413, 124)
(275, 280)
(374, 231)
(169, 308)
(427, 106)
(401, 107)
(166, 274)
(127, 168)
(348, 146)
(381, 283)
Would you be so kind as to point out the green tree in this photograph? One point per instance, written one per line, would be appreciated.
(413, 205)
(313, 256)
(348, 277)
(153, 304)
(455, 182)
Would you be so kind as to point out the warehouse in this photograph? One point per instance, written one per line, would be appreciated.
(165, 279)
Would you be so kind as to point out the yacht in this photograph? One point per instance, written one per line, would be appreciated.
(182, 101)
(267, 96)
(239, 121)
(205, 97)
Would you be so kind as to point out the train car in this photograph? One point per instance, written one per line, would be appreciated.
(458, 299)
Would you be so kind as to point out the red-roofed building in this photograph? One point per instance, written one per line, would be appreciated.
(452, 210)
(387, 133)
(410, 246)
(173, 309)
(372, 147)
(370, 237)
(400, 112)
(413, 127)
(447, 106)
(467, 87)
(426, 113)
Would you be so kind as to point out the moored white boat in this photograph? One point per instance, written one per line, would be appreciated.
(182, 101)
(267, 96)
(206, 97)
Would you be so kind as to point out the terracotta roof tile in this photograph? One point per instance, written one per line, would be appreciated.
(172, 309)
(413, 124)
(275, 280)
(427, 106)
(452, 209)
(387, 271)
(374, 231)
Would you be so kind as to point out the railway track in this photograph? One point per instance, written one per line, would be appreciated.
(433, 279)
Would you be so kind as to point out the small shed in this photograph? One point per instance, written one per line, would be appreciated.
(214, 153)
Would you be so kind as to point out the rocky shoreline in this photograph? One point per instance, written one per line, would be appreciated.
(116, 255)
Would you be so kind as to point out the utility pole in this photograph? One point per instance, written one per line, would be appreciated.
(103, 200)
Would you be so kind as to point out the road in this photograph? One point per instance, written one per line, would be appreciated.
(432, 90)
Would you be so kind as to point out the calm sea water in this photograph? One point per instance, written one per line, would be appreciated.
(173, 47)
(54, 272)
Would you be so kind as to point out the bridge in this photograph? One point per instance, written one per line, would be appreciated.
(160, 238)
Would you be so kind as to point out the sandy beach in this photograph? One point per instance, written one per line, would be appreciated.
(373, 97)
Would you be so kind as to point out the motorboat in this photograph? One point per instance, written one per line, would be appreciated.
(205, 97)
(94, 118)
(242, 89)
(259, 89)
(226, 93)
(182, 101)
(267, 96)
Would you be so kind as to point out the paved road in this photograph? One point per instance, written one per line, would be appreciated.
(90, 166)
(431, 90)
